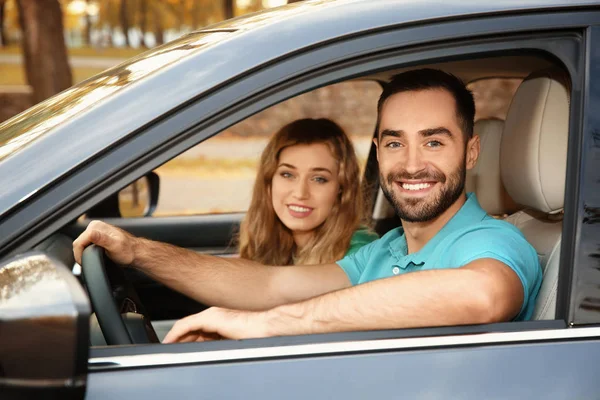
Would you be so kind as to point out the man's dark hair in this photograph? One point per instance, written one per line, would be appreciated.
(425, 79)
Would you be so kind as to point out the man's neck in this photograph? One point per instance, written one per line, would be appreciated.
(419, 233)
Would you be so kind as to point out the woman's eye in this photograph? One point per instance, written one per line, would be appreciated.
(434, 143)
(286, 175)
(320, 179)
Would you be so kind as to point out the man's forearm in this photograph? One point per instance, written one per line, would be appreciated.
(234, 282)
(420, 299)
(218, 281)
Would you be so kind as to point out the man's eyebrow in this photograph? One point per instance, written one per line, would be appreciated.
(391, 132)
(436, 131)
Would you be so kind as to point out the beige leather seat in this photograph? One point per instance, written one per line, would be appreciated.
(533, 160)
(484, 179)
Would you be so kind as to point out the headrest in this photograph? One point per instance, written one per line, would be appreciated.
(533, 154)
(484, 179)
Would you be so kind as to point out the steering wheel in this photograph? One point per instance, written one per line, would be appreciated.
(112, 295)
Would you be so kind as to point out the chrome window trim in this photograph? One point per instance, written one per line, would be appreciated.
(340, 348)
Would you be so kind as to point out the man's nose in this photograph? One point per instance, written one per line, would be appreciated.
(414, 161)
(301, 190)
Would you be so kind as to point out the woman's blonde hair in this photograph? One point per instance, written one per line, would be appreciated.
(265, 239)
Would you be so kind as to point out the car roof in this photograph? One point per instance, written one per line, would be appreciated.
(77, 124)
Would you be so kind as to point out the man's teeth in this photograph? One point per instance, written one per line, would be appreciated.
(299, 209)
(415, 186)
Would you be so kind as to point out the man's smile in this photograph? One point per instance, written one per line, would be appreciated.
(415, 187)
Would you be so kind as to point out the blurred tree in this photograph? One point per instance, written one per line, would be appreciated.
(161, 16)
(119, 15)
(181, 14)
(228, 7)
(159, 27)
(124, 18)
(46, 63)
(108, 20)
(143, 21)
(195, 15)
(88, 25)
(3, 36)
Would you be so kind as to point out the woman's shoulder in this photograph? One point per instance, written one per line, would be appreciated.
(364, 234)
(361, 237)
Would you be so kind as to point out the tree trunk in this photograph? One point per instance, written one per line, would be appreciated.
(88, 26)
(107, 37)
(195, 15)
(228, 8)
(181, 15)
(125, 21)
(46, 62)
(159, 35)
(3, 37)
(143, 20)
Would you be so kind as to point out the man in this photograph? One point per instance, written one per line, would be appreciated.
(449, 264)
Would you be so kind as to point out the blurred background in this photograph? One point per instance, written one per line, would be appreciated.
(48, 45)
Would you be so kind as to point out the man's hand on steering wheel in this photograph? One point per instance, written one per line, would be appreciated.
(111, 293)
(118, 244)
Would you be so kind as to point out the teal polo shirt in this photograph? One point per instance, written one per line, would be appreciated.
(470, 234)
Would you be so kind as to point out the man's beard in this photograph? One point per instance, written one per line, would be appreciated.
(424, 209)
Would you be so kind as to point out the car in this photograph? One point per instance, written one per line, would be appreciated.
(74, 157)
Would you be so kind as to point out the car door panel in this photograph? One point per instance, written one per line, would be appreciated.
(507, 371)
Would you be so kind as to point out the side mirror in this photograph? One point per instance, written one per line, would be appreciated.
(44, 330)
(141, 197)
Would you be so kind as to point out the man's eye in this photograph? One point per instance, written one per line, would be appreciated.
(393, 145)
(434, 143)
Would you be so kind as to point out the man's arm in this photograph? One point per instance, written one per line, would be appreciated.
(483, 291)
(233, 283)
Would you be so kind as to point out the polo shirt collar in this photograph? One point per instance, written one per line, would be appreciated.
(470, 213)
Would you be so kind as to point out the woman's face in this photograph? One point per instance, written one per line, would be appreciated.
(305, 188)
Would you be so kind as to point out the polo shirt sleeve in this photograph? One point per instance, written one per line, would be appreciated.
(507, 245)
(354, 264)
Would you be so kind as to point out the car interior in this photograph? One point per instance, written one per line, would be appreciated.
(519, 177)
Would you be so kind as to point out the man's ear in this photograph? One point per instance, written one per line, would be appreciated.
(376, 142)
(473, 148)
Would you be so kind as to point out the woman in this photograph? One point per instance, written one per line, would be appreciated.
(307, 204)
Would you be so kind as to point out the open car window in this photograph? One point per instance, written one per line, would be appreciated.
(225, 165)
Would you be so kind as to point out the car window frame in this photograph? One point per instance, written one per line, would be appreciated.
(423, 56)
(581, 284)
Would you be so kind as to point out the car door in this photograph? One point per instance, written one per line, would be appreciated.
(509, 360)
